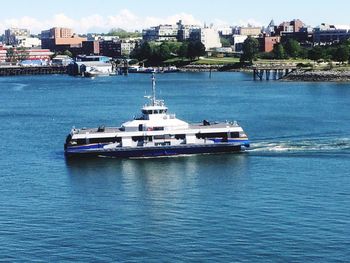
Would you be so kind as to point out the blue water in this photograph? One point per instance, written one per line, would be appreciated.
(286, 200)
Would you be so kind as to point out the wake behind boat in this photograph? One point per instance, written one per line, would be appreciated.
(156, 133)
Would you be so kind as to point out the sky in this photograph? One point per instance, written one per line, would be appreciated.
(101, 15)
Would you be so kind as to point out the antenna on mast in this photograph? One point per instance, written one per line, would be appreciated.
(153, 89)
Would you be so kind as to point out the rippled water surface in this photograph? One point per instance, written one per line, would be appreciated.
(285, 200)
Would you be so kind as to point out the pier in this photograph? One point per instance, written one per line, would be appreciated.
(39, 70)
(272, 72)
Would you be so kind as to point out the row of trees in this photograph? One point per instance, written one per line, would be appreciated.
(155, 54)
(291, 49)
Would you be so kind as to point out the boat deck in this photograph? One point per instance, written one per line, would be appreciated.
(102, 129)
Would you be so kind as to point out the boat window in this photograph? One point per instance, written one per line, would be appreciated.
(137, 138)
(234, 134)
(104, 140)
(180, 136)
(81, 141)
(155, 111)
(158, 128)
(211, 135)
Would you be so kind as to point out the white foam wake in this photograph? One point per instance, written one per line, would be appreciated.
(309, 145)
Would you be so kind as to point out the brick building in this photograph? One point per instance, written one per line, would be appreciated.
(267, 43)
(60, 39)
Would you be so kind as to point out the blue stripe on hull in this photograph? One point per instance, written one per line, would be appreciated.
(158, 151)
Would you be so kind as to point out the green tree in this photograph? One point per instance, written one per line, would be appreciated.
(22, 53)
(342, 54)
(121, 33)
(182, 52)
(278, 51)
(164, 52)
(292, 48)
(250, 50)
(68, 53)
(195, 49)
(316, 53)
(11, 55)
(225, 42)
(142, 52)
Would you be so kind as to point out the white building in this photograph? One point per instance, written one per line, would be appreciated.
(208, 36)
(28, 42)
(238, 41)
(161, 33)
(13, 34)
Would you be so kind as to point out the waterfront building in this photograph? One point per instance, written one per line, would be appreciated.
(60, 39)
(208, 36)
(85, 64)
(3, 53)
(18, 54)
(62, 60)
(12, 35)
(328, 34)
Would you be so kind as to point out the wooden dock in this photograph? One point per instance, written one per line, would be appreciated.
(37, 70)
(272, 72)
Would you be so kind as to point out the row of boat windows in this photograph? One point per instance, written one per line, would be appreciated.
(153, 111)
(158, 137)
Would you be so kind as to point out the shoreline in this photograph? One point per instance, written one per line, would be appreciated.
(318, 76)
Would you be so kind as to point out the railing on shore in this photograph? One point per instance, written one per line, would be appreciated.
(31, 70)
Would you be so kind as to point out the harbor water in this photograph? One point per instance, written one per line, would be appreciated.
(287, 199)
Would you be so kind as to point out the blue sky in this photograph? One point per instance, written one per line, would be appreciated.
(101, 15)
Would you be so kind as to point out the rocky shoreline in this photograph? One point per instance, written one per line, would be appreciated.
(318, 75)
(200, 68)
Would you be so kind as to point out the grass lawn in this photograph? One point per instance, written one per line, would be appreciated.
(216, 61)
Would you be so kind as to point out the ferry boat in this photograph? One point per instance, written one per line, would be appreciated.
(156, 133)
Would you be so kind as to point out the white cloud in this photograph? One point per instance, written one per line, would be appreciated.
(249, 21)
(96, 23)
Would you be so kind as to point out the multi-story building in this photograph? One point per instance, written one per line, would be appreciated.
(127, 46)
(161, 33)
(184, 31)
(208, 36)
(249, 31)
(111, 49)
(289, 27)
(3, 53)
(91, 47)
(238, 41)
(28, 42)
(267, 43)
(12, 35)
(329, 34)
(60, 39)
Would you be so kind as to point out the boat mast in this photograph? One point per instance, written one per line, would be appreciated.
(153, 90)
